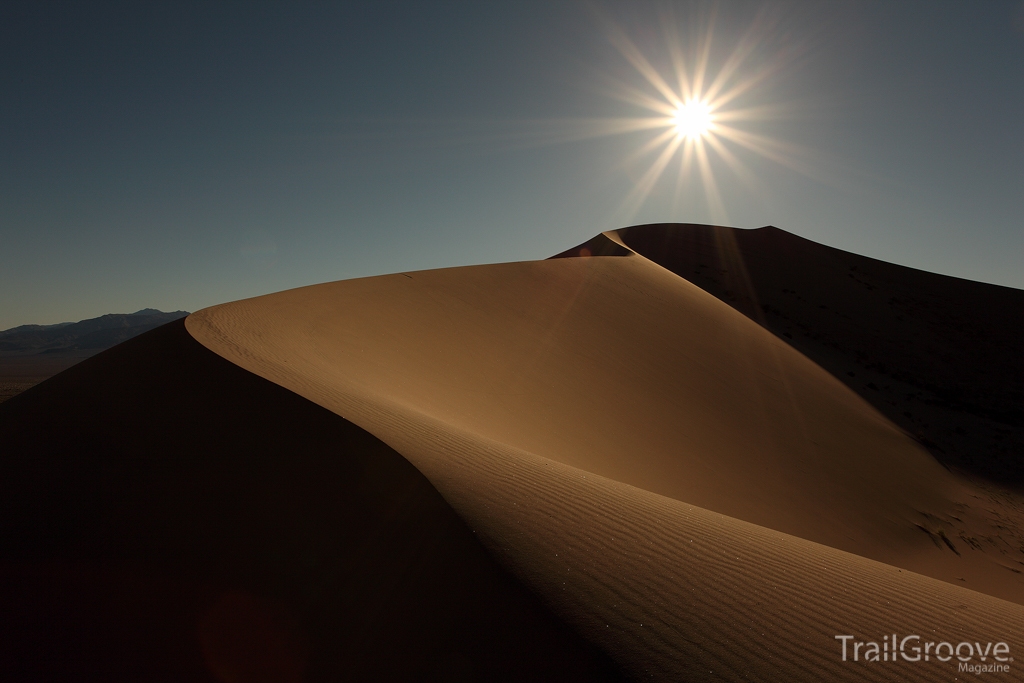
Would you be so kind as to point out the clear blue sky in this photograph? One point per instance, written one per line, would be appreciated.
(181, 156)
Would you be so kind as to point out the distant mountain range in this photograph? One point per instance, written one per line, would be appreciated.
(94, 334)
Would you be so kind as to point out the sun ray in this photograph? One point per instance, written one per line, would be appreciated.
(764, 112)
(744, 49)
(628, 49)
(707, 177)
(685, 162)
(532, 133)
(774, 150)
(675, 51)
(642, 188)
(763, 73)
(632, 95)
(736, 166)
(650, 146)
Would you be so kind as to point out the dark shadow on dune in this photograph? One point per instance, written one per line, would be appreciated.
(166, 515)
(941, 357)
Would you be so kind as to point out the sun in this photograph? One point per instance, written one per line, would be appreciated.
(693, 120)
(697, 108)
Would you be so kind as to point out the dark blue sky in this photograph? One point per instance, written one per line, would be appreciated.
(183, 156)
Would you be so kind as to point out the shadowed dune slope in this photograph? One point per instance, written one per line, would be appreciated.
(31, 353)
(166, 515)
(941, 357)
(682, 487)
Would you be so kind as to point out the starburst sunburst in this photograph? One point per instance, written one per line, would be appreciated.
(695, 113)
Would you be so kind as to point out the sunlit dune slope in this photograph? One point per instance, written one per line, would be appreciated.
(168, 516)
(589, 418)
(942, 357)
(620, 368)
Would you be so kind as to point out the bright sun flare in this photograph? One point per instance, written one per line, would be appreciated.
(693, 120)
(695, 112)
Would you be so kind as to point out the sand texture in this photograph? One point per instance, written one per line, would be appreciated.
(582, 467)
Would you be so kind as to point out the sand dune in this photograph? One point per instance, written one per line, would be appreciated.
(583, 466)
(941, 357)
(165, 515)
(620, 368)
